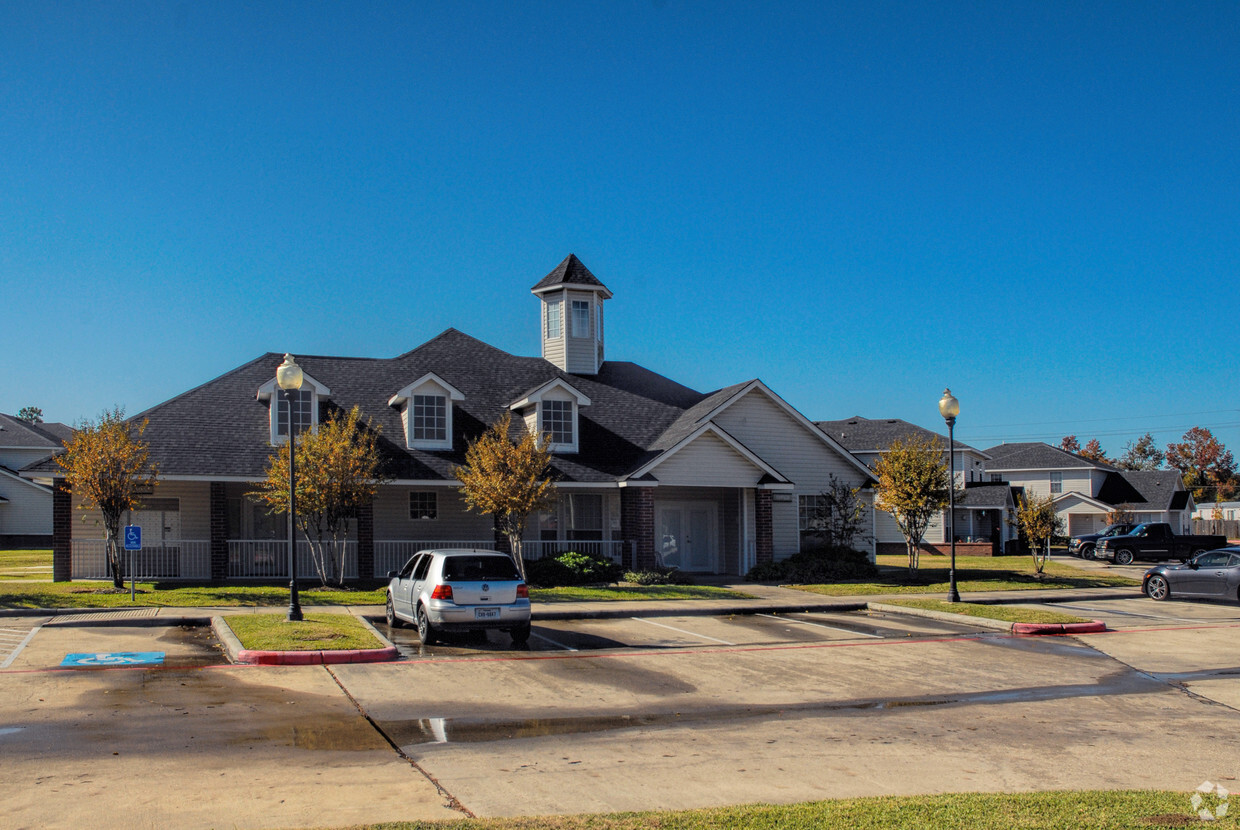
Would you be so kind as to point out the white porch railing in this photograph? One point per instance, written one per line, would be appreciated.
(392, 554)
(268, 559)
(537, 549)
(184, 559)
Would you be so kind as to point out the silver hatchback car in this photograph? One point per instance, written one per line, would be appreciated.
(459, 590)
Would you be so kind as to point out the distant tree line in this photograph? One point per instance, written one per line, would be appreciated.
(1208, 467)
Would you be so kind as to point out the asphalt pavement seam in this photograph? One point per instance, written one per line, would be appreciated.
(453, 802)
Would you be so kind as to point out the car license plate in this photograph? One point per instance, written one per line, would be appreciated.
(486, 613)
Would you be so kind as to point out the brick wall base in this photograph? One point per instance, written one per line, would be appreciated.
(764, 536)
(637, 525)
(219, 531)
(62, 532)
(366, 541)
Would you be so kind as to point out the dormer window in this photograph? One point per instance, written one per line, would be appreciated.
(557, 422)
(551, 411)
(430, 418)
(307, 405)
(426, 412)
(303, 411)
(581, 318)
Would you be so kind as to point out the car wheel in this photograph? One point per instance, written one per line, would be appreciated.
(1087, 552)
(1123, 557)
(393, 621)
(426, 631)
(1196, 553)
(520, 634)
(1156, 587)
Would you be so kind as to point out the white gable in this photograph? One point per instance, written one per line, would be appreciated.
(708, 461)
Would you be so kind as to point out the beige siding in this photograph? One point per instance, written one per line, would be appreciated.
(17, 457)
(708, 462)
(886, 529)
(194, 499)
(580, 352)
(1039, 481)
(28, 509)
(392, 521)
(785, 529)
(553, 350)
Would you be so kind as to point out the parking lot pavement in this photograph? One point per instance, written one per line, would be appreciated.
(15, 634)
(654, 633)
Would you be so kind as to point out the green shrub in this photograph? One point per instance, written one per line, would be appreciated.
(658, 576)
(570, 569)
(833, 564)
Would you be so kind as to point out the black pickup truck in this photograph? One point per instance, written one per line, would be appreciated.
(1154, 540)
(1083, 546)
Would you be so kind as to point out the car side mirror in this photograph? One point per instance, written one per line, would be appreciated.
(391, 574)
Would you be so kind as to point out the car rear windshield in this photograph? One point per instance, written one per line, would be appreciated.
(478, 568)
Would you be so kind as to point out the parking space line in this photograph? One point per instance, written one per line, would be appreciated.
(682, 631)
(821, 625)
(18, 648)
(547, 639)
(1123, 613)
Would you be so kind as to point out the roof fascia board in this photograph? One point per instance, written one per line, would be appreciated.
(536, 394)
(1084, 498)
(405, 393)
(24, 480)
(268, 389)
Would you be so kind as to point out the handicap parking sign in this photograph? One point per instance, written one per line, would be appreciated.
(133, 537)
(119, 658)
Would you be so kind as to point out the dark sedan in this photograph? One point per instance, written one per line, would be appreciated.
(1213, 574)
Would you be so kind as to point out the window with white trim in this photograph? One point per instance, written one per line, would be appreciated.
(1056, 483)
(303, 411)
(557, 421)
(996, 477)
(423, 505)
(584, 517)
(581, 318)
(554, 328)
(429, 418)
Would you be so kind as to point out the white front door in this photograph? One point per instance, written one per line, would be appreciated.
(685, 536)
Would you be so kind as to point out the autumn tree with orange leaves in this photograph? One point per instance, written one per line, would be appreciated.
(107, 465)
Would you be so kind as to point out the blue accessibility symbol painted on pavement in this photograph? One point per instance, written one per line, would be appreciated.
(119, 658)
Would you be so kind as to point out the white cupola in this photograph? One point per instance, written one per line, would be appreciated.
(572, 317)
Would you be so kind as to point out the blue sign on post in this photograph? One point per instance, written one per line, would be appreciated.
(133, 537)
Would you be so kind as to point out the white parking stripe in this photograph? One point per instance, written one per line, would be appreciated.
(18, 650)
(553, 642)
(821, 625)
(682, 631)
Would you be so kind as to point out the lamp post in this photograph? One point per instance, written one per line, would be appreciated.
(949, 408)
(288, 378)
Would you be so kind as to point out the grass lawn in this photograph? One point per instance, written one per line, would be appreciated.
(1006, 613)
(973, 573)
(96, 594)
(1109, 810)
(634, 592)
(317, 632)
(25, 564)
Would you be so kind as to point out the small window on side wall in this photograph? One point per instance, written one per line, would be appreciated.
(423, 505)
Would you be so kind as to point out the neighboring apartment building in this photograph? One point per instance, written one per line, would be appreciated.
(649, 470)
(1085, 491)
(26, 506)
(984, 512)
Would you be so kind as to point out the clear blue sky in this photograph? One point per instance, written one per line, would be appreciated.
(1036, 204)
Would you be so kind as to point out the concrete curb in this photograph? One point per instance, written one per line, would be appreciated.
(255, 657)
(635, 609)
(1093, 627)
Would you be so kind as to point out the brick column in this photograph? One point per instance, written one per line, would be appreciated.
(501, 541)
(637, 524)
(366, 541)
(62, 531)
(764, 540)
(219, 532)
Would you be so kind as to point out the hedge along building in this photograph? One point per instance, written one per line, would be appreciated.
(649, 471)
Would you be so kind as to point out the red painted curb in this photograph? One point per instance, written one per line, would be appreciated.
(315, 658)
(1095, 627)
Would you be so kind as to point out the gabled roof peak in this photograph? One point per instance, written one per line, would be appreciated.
(571, 272)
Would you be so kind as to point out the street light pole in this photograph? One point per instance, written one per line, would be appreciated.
(949, 408)
(289, 378)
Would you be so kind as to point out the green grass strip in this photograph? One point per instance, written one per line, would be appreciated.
(318, 632)
(1098, 810)
(1007, 613)
(97, 594)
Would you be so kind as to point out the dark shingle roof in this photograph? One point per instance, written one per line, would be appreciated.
(14, 432)
(221, 429)
(1037, 455)
(569, 272)
(997, 496)
(1160, 489)
(859, 434)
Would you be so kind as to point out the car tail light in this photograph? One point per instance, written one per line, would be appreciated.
(442, 592)
(523, 591)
